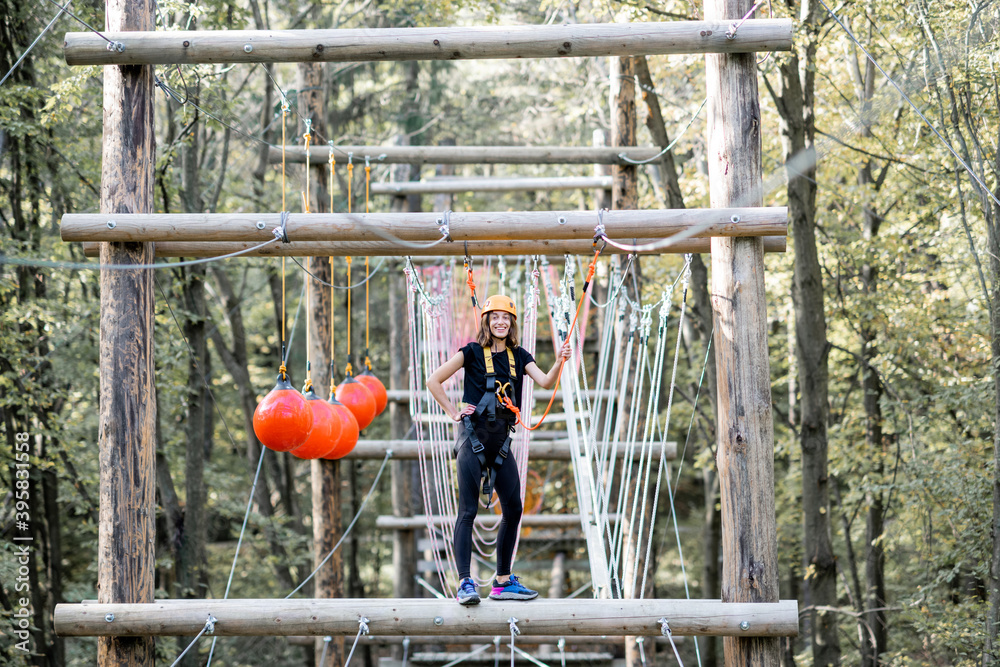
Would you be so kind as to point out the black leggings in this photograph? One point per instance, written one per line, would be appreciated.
(508, 489)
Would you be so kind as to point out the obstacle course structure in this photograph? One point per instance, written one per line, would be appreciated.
(749, 615)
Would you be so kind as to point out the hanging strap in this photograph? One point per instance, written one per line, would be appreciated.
(488, 358)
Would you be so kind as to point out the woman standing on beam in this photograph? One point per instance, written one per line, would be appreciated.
(494, 366)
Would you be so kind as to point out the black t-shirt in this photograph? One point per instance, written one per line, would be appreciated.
(475, 372)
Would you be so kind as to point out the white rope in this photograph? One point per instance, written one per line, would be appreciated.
(239, 543)
(326, 646)
(406, 651)
(362, 630)
(666, 425)
(512, 623)
(209, 628)
(666, 632)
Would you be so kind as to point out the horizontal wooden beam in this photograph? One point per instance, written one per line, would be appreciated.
(487, 521)
(539, 450)
(452, 43)
(423, 228)
(525, 640)
(488, 657)
(588, 155)
(539, 394)
(566, 618)
(485, 184)
(388, 249)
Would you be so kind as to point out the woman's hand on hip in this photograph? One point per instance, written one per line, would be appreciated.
(465, 411)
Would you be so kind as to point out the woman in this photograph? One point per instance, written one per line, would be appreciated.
(494, 363)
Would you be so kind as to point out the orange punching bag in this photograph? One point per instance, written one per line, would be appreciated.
(326, 430)
(283, 420)
(375, 386)
(358, 399)
(349, 430)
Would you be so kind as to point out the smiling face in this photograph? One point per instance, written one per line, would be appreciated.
(499, 324)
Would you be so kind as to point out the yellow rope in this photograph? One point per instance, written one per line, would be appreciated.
(368, 180)
(347, 370)
(305, 209)
(307, 193)
(333, 324)
(333, 311)
(284, 113)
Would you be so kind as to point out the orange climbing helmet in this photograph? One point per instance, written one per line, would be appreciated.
(500, 302)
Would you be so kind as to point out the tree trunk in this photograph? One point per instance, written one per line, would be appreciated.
(795, 99)
(324, 475)
(192, 563)
(874, 620)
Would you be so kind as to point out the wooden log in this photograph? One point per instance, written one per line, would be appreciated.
(567, 618)
(567, 657)
(540, 450)
(540, 395)
(127, 417)
(453, 43)
(441, 155)
(486, 521)
(456, 185)
(529, 640)
(745, 437)
(542, 567)
(388, 249)
(425, 227)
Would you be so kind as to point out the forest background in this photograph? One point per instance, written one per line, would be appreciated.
(883, 313)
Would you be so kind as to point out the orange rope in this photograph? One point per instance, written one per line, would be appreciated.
(469, 280)
(505, 400)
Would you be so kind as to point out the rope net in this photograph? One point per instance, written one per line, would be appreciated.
(616, 428)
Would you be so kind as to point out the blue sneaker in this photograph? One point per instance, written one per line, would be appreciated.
(467, 593)
(512, 590)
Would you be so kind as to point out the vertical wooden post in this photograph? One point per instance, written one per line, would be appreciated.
(404, 544)
(127, 420)
(444, 201)
(324, 475)
(624, 192)
(745, 431)
(602, 197)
